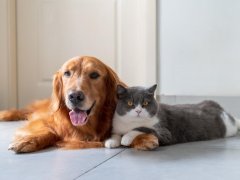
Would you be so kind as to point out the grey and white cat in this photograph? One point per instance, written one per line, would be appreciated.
(138, 112)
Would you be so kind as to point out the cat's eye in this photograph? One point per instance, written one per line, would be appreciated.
(130, 103)
(145, 103)
(67, 73)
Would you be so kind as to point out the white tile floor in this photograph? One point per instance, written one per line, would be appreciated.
(218, 159)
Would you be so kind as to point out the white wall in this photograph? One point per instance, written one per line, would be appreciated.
(199, 47)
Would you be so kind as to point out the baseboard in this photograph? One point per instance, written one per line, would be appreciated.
(230, 103)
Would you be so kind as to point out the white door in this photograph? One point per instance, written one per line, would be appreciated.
(51, 31)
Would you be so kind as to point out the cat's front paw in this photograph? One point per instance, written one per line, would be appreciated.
(126, 140)
(112, 143)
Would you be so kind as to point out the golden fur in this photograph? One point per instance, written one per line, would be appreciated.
(145, 142)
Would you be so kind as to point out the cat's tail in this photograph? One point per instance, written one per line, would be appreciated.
(237, 120)
(231, 123)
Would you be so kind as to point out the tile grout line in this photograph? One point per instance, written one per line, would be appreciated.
(98, 164)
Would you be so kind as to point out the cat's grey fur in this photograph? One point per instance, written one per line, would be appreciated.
(193, 122)
(176, 123)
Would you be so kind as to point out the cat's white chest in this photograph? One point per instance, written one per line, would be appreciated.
(124, 124)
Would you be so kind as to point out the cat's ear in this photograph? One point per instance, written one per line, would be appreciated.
(152, 89)
(121, 90)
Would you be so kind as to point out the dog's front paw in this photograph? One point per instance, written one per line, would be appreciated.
(112, 143)
(23, 146)
(145, 142)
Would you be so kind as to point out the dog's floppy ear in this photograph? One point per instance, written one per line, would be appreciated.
(57, 98)
(111, 81)
(110, 103)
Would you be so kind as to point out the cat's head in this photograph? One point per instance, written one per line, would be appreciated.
(137, 102)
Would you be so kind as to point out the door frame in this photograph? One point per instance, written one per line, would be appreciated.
(140, 34)
(10, 55)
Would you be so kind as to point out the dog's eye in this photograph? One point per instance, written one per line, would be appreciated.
(94, 75)
(67, 73)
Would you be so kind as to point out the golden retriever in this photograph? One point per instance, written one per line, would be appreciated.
(79, 114)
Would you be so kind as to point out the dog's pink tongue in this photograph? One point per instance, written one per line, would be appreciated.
(78, 118)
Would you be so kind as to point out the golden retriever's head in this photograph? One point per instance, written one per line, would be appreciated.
(84, 85)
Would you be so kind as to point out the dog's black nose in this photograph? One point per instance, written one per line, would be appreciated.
(76, 97)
